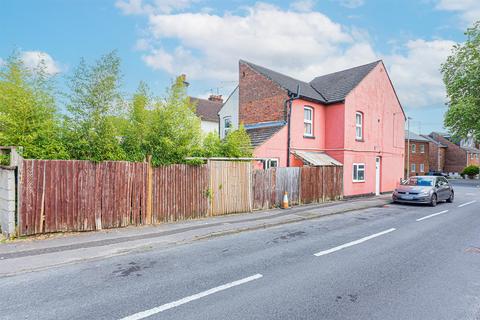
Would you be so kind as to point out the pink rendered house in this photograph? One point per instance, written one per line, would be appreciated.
(351, 118)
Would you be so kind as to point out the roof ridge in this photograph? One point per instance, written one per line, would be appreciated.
(360, 66)
(271, 70)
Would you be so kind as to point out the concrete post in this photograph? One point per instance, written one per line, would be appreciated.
(7, 201)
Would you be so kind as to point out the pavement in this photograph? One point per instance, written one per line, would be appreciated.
(378, 262)
(36, 253)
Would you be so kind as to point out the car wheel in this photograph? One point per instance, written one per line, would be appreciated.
(433, 200)
(452, 196)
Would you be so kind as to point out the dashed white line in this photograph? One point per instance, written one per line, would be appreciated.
(467, 203)
(150, 312)
(349, 244)
(432, 215)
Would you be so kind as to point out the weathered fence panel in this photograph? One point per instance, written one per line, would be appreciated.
(287, 180)
(311, 189)
(263, 189)
(180, 192)
(230, 187)
(80, 195)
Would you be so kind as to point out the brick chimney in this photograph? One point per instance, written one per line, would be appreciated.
(183, 76)
(216, 98)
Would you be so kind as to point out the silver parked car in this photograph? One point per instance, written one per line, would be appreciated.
(424, 189)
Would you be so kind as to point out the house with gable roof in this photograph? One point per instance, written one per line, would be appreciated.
(351, 118)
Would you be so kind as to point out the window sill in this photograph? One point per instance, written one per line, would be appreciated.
(359, 140)
(309, 137)
(358, 181)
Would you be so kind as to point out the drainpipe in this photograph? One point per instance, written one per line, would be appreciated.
(408, 147)
(288, 109)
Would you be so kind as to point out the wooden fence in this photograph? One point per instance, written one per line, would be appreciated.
(57, 195)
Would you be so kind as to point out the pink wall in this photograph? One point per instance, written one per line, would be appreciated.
(275, 147)
(298, 140)
(384, 124)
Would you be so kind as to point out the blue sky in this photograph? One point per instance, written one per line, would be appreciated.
(159, 39)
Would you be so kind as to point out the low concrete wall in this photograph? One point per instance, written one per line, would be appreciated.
(7, 201)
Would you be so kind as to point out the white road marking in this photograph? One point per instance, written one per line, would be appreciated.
(467, 203)
(148, 313)
(349, 244)
(432, 215)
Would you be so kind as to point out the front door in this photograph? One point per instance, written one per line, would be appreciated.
(377, 176)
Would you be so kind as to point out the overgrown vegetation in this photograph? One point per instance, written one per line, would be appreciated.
(461, 75)
(98, 123)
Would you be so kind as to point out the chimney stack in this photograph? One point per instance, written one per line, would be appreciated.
(183, 76)
(216, 98)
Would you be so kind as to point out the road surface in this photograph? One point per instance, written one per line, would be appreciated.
(394, 262)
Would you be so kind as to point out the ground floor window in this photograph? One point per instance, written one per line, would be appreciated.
(414, 168)
(271, 163)
(358, 172)
(422, 167)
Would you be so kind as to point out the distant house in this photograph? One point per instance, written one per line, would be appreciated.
(350, 118)
(207, 110)
(419, 160)
(436, 154)
(457, 156)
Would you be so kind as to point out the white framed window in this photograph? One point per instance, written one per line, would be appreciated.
(414, 168)
(471, 155)
(227, 125)
(358, 126)
(308, 121)
(476, 155)
(271, 163)
(422, 167)
(422, 148)
(414, 148)
(358, 172)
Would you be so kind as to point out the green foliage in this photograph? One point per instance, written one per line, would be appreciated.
(175, 131)
(5, 159)
(94, 100)
(235, 145)
(28, 114)
(471, 171)
(461, 75)
(137, 125)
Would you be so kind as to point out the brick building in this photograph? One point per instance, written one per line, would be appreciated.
(436, 154)
(457, 157)
(419, 160)
(350, 118)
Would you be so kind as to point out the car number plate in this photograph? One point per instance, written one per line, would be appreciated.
(407, 197)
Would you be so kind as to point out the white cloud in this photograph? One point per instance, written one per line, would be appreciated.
(299, 43)
(32, 60)
(351, 3)
(132, 7)
(416, 74)
(469, 10)
(1, 62)
(303, 5)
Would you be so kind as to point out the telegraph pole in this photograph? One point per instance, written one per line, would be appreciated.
(408, 147)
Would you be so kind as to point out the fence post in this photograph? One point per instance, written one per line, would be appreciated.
(149, 190)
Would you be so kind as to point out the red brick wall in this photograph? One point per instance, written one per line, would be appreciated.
(417, 158)
(475, 161)
(436, 157)
(455, 157)
(260, 99)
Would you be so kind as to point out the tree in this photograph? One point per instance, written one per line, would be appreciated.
(175, 131)
(235, 145)
(137, 126)
(461, 75)
(28, 113)
(94, 100)
(471, 171)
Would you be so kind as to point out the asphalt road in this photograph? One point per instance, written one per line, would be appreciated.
(379, 263)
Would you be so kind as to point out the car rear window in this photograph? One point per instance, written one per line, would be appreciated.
(420, 181)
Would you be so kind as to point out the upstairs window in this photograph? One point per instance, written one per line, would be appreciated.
(308, 121)
(414, 148)
(358, 126)
(227, 125)
(422, 148)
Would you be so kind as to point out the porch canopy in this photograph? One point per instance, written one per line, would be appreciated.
(316, 159)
